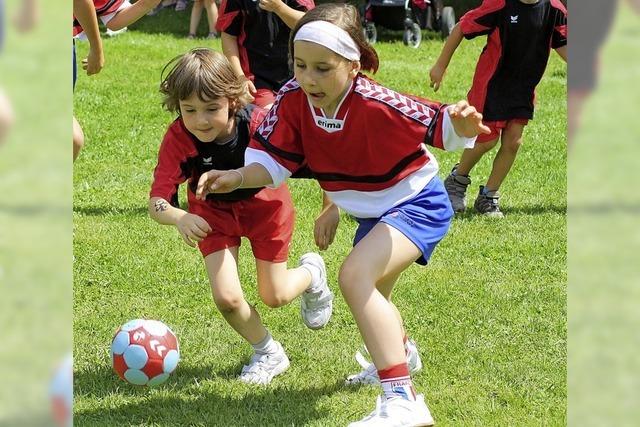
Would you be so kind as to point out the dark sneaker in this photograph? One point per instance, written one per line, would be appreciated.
(456, 186)
(487, 204)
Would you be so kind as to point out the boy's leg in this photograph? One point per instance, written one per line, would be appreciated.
(227, 292)
(194, 21)
(510, 144)
(383, 252)
(471, 156)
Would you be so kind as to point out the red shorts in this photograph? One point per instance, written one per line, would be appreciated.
(264, 98)
(496, 129)
(266, 219)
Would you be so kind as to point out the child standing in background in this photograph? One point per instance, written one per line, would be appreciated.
(520, 36)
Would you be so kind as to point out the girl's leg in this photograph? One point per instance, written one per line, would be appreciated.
(196, 13)
(383, 252)
(212, 15)
(227, 292)
(509, 146)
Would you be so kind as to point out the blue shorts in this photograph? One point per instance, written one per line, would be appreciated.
(424, 220)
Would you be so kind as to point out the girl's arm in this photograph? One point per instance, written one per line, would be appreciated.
(230, 50)
(562, 51)
(131, 14)
(251, 176)
(288, 15)
(324, 230)
(85, 13)
(437, 71)
(192, 228)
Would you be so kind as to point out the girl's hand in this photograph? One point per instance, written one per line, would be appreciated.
(325, 226)
(436, 74)
(192, 228)
(215, 181)
(466, 120)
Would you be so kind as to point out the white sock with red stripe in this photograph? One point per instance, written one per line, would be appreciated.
(396, 382)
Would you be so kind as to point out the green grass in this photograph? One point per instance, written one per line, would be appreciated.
(488, 313)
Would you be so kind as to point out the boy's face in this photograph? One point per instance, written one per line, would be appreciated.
(208, 119)
(323, 75)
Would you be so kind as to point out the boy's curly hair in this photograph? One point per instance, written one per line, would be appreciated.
(203, 72)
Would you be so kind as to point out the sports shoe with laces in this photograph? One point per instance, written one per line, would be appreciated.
(263, 367)
(316, 306)
(397, 412)
(456, 186)
(369, 373)
(487, 203)
(181, 5)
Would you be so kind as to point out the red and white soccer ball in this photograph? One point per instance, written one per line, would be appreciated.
(144, 352)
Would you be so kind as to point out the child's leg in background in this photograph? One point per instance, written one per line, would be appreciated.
(510, 144)
(227, 292)
(196, 13)
(212, 15)
(78, 139)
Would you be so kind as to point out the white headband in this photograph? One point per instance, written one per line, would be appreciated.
(330, 36)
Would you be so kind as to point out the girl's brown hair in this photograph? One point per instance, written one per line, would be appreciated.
(206, 73)
(346, 17)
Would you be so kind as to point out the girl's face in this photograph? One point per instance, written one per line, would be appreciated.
(322, 74)
(207, 120)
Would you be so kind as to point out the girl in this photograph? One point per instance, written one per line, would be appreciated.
(365, 144)
(212, 130)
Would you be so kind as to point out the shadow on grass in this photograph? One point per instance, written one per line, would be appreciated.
(111, 210)
(189, 398)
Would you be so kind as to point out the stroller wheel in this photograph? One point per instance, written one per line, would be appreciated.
(412, 35)
(447, 21)
(370, 32)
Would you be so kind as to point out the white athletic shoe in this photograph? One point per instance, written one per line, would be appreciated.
(397, 412)
(263, 367)
(316, 307)
(369, 373)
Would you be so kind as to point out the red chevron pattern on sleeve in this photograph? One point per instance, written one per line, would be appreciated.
(269, 122)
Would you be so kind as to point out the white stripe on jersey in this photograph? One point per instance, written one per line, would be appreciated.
(373, 204)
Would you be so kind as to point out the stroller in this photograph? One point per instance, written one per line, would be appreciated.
(408, 15)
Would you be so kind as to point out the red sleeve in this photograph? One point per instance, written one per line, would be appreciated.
(559, 38)
(230, 18)
(430, 131)
(172, 167)
(481, 20)
(279, 134)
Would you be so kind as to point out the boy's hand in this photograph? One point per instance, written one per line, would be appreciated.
(192, 228)
(94, 62)
(466, 120)
(325, 227)
(215, 181)
(436, 74)
(251, 89)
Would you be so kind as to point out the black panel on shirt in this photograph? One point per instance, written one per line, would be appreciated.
(222, 157)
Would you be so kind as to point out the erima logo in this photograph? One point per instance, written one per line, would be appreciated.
(330, 125)
(514, 19)
(207, 160)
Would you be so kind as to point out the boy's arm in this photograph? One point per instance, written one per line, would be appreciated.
(131, 14)
(562, 51)
(437, 71)
(288, 15)
(192, 228)
(85, 13)
(230, 50)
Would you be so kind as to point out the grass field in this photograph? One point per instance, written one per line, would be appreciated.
(489, 313)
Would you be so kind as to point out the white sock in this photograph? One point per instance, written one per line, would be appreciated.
(315, 277)
(266, 346)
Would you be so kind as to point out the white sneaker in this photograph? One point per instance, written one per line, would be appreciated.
(316, 307)
(369, 373)
(397, 412)
(263, 367)
(112, 33)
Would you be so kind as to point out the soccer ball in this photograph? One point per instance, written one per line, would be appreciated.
(61, 393)
(144, 352)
